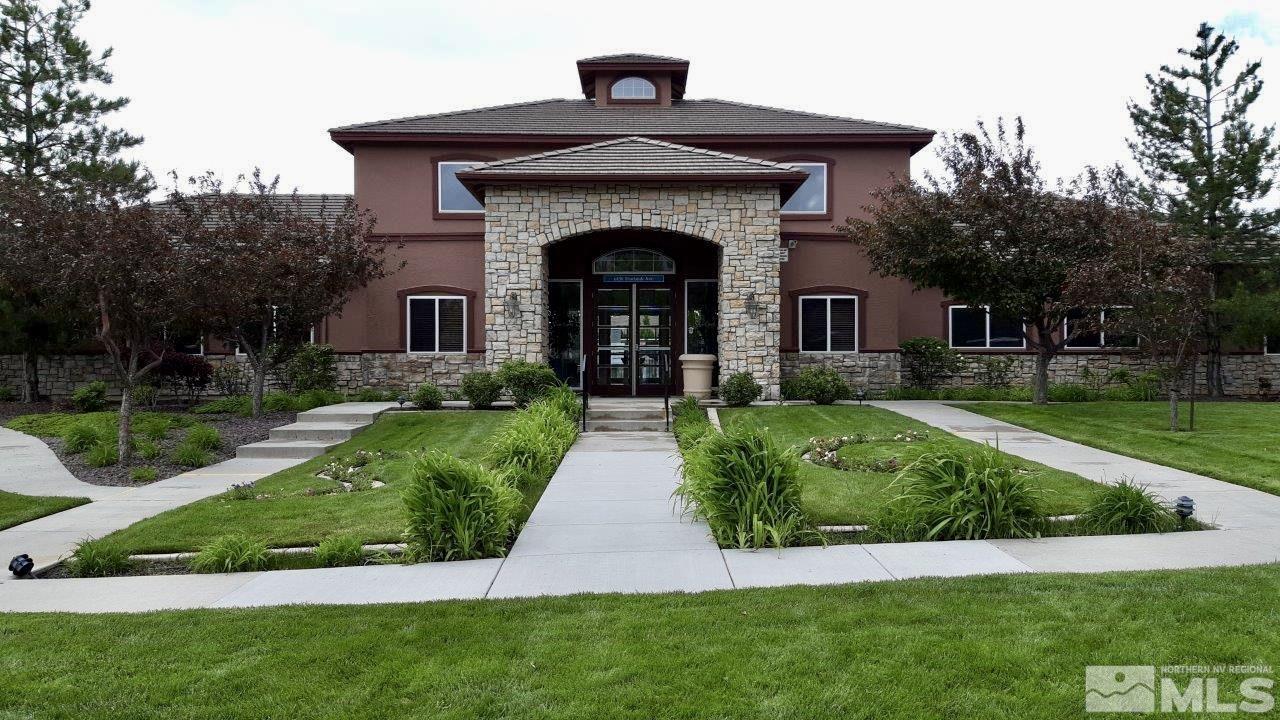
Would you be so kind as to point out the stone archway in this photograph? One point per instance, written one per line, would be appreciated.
(743, 220)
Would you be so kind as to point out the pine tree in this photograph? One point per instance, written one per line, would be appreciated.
(52, 136)
(1207, 166)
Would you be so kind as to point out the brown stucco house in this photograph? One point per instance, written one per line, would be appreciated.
(608, 235)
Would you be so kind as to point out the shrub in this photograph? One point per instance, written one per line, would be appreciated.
(458, 510)
(481, 388)
(230, 379)
(145, 396)
(203, 437)
(690, 424)
(81, 436)
(231, 553)
(340, 551)
(191, 456)
(822, 385)
(144, 474)
(90, 398)
(928, 362)
(316, 398)
(953, 495)
(95, 558)
(995, 372)
(188, 376)
(526, 381)
(739, 389)
(7, 394)
(532, 442)
(153, 425)
(563, 398)
(274, 402)
(428, 397)
(1072, 392)
(243, 491)
(312, 367)
(747, 487)
(1127, 508)
(147, 449)
(103, 454)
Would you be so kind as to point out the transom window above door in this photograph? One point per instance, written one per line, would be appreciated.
(633, 260)
(451, 196)
(633, 88)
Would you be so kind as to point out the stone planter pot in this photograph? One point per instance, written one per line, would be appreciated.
(697, 374)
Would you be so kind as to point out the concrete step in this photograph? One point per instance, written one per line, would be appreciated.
(296, 449)
(338, 431)
(626, 425)
(625, 414)
(352, 412)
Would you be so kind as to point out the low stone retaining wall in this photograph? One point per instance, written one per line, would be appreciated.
(60, 375)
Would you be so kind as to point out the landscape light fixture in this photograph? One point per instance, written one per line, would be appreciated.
(860, 394)
(21, 565)
(1185, 507)
(402, 400)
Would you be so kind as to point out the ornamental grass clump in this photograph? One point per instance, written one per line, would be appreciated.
(340, 551)
(232, 553)
(532, 442)
(691, 423)
(955, 495)
(82, 436)
(746, 486)
(203, 436)
(95, 558)
(458, 510)
(1127, 508)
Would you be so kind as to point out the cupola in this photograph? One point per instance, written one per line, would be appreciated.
(633, 79)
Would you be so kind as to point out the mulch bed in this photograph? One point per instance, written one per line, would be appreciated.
(12, 409)
(235, 431)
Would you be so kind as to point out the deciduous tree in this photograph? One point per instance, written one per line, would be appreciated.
(275, 268)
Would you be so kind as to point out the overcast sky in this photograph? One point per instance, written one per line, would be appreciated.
(229, 84)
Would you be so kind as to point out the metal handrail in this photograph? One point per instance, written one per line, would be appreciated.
(582, 384)
(666, 387)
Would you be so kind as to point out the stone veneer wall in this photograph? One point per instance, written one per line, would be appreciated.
(742, 219)
(880, 371)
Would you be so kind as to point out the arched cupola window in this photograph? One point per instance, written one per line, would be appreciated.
(633, 260)
(633, 88)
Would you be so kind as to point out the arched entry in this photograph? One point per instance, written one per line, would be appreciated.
(624, 304)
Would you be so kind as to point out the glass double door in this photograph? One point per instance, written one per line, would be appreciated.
(632, 339)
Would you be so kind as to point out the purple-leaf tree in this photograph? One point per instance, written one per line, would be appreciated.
(121, 263)
(276, 265)
(989, 231)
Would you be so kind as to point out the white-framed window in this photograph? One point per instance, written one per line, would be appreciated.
(828, 323)
(451, 196)
(1097, 338)
(972, 326)
(811, 197)
(633, 88)
(436, 323)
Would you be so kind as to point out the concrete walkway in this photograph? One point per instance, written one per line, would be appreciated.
(29, 467)
(607, 523)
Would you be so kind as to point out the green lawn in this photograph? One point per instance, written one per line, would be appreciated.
(993, 647)
(54, 424)
(1235, 442)
(841, 497)
(16, 509)
(293, 515)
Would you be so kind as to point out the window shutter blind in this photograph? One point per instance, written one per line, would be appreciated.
(844, 324)
(451, 323)
(813, 324)
(422, 325)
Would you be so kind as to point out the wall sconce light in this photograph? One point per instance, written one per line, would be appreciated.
(753, 306)
(512, 303)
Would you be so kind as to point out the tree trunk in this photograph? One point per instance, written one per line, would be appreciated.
(124, 438)
(1042, 378)
(30, 377)
(259, 385)
(1173, 410)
